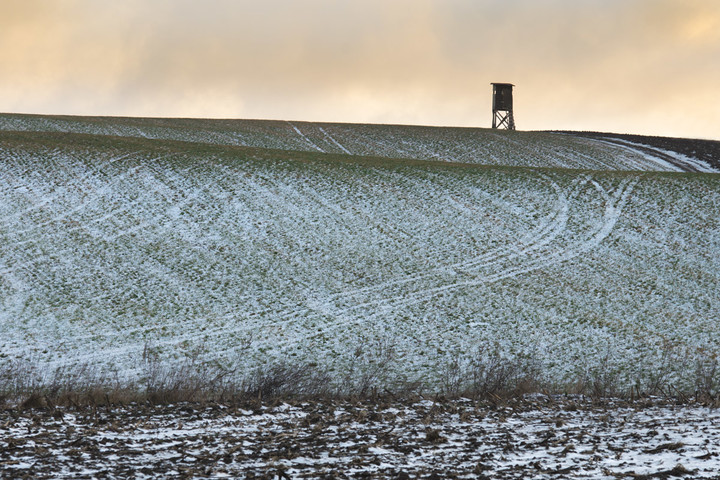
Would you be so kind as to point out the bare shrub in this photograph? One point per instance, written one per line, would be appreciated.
(370, 368)
(659, 379)
(76, 378)
(285, 379)
(18, 378)
(26, 384)
(707, 379)
(453, 377)
(191, 380)
(602, 381)
(494, 377)
(599, 380)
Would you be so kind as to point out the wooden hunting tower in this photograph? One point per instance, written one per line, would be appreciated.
(503, 106)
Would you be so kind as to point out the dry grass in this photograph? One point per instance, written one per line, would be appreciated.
(485, 376)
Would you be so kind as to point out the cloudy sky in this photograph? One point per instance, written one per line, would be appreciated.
(639, 66)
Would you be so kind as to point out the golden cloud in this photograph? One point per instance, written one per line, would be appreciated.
(587, 65)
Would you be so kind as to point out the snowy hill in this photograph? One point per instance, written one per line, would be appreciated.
(462, 145)
(254, 242)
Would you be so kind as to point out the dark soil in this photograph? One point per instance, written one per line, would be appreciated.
(537, 438)
(705, 150)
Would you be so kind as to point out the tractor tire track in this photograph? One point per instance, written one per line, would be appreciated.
(542, 260)
(305, 138)
(613, 210)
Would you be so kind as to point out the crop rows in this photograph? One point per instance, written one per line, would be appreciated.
(246, 259)
(461, 145)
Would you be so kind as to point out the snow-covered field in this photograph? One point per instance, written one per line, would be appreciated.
(538, 439)
(461, 145)
(128, 241)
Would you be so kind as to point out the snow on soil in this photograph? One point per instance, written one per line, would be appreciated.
(540, 439)
(679, 158)
(244, 259)
(666, 160)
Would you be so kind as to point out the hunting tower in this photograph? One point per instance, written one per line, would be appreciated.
(503, 106)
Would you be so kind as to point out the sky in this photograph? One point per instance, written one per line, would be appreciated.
(628, 66)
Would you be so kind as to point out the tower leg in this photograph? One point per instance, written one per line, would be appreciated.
(503, 119)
